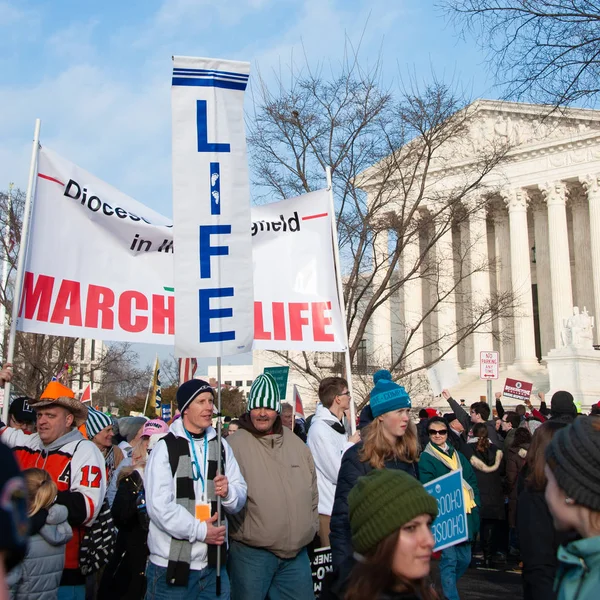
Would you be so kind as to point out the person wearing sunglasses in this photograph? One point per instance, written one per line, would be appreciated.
(439, 458)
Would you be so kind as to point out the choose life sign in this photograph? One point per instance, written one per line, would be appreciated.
(450, 526)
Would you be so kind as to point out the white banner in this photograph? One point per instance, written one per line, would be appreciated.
(211, 208)
(100, 265)
(295, 301)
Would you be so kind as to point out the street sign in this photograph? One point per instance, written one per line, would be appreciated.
(489, 365)
(280, 374)
(518, 390)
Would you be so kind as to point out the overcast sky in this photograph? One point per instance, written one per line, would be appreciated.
(98, 74)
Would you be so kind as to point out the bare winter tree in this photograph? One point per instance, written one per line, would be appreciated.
(394, 195)
(543, 50)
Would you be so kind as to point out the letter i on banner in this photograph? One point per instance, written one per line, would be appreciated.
(211, 209)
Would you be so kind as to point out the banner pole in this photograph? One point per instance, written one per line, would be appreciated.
(21, 262)
(150, 386)
(338, 273)
(219, 469)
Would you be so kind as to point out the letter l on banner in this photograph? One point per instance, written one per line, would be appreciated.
(211, 209)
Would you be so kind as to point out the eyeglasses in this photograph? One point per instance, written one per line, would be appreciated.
(437, 431)
(346, 393)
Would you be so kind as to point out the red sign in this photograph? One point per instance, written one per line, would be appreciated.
(489, 363)
(519, 390)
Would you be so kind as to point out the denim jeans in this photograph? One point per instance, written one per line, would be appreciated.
(201, 585)
(71, 592)
(257, 574)
(453, 564)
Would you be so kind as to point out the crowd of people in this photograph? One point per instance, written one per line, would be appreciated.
(93, 507)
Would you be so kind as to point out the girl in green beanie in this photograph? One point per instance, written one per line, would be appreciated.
(390, 518)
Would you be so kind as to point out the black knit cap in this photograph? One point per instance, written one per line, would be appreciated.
(574, 457)
(563, 404)
(188, 390)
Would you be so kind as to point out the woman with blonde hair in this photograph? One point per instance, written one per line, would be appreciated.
(40, 573)
(390, 441)
(573, 497)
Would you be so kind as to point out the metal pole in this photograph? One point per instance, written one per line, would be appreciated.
(340, 288)
(489, 395)
(21, 262)
(219, 469)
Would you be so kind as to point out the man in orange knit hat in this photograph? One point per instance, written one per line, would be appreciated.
(74, 463)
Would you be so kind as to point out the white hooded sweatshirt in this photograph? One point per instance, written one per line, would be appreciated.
(327, 447)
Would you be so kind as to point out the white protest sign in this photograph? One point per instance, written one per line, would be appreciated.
(489, 365)
(100, 265)
(211, 208)
(443, 375)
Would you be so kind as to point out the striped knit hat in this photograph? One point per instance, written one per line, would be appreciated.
(264, 393)
(96, 422)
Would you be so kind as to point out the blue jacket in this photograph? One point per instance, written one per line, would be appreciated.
(578, 576)
(352, 468)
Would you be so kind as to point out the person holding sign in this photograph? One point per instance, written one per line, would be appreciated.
(439, 458)
(182, 485)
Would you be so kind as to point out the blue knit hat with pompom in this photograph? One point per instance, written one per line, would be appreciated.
(387, 395)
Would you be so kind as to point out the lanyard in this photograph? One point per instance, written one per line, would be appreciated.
(196, 473)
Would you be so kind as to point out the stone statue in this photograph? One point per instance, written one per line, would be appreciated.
(577, 330)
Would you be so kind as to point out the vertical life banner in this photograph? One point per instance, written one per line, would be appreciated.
(211, 209)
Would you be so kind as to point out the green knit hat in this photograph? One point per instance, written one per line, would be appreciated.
(382, 502)
(264, 393)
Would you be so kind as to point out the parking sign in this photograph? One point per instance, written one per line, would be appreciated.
(489, 363)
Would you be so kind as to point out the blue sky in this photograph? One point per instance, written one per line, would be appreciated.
(98, 74)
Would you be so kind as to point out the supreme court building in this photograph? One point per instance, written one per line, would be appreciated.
(539, 228)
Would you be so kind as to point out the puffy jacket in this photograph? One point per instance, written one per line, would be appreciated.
(578, 576)
(281, 514)
(170, 520)
(352, 468)
(327, 446)
(42, 568)
(489, 471)
(431, 468)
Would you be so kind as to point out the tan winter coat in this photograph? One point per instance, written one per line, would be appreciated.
(281, 513)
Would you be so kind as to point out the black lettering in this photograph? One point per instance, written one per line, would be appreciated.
(276, 225)
(120, 212)
(147, 243)
(84, 197)
(134, 217)
(254, 228)
(94, 208)
(106, 206)
(135, 238)
(294, 222)
(166, 246)
(284, 223)
(70, 185)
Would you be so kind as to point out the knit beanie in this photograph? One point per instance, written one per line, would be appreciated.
(128, 427)
(188, 390)
(382, 502)
(387, 395)
(264, 393)
(574, 457)
(563, 404)
(96, 422)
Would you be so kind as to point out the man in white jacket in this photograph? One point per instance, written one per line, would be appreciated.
(328, 440)
(182, 485)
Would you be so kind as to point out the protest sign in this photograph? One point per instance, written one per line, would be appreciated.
(321, 563)
(280, 375)
(518, 390)
(109, 272)
(443, 375)
(211, 209)
(450, 526)
(489, 363)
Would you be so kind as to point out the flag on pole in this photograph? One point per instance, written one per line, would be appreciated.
(166, 412)
(86, 396)
(187, 369)
(298, 408)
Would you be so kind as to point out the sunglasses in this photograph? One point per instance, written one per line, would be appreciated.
(437, 431)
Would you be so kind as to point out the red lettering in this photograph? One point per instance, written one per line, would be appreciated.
(100, 299)
(127, 321)
(297, 321)
(162, 313)
(259, 324)
(68, 304)
(40, 294)
(320, 321)
(278, 321)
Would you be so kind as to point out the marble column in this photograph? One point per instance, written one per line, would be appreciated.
(446, 308)
(520, 275)
(560, 263)
(480, 284)
(382, 322)
(542, 267)
(591, 184)
(583, 287)
(413, 303)
(503, 283)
